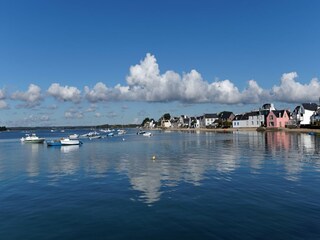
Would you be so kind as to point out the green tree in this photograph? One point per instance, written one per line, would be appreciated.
(145, 121)
(166, 116)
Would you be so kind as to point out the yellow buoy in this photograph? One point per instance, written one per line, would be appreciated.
(153, 157)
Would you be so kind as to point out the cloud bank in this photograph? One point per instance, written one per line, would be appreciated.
(31, 98)
(145, 83)
(291, 91)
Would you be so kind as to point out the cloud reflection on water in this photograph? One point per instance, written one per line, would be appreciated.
(180, 158)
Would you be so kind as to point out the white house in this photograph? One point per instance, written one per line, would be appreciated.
(315, 118)
(208, 120)
(240, 121)
(253, 119)
(198, 122)
(184, 121)
(151, 124)
(302, 114)
(165, 123)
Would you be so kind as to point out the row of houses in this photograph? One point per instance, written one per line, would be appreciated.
(303, 115)
(208, 120)
(266, 116)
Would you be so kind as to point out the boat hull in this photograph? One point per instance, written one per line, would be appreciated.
(32, 139)
(53, 143)
(66, 142)
(147, 134)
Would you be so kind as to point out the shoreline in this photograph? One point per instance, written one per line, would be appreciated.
(295, 130)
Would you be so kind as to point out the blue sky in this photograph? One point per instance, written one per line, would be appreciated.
(96, 62)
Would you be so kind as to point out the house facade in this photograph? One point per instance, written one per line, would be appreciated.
(184, 121)
(252, 119)
(226, 116)
(166, 123)
(175, 122)
(198, 122)
(240, 121)
(315, 118)
(278, 119)
(302, 114)
(208, 120)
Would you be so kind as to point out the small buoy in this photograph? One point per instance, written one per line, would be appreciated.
(153, 157)
(123, 139)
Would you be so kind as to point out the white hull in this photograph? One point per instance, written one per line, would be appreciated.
(147, 134)
(32, 139)
(40, 140)
(95, 137)
(68, 141)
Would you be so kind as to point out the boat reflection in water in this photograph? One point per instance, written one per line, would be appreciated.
(69, 148)
(178, 185)
(190, 158)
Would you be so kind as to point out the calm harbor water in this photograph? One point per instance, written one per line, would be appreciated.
(242, 185)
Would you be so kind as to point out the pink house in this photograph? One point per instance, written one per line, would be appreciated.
(277, 118)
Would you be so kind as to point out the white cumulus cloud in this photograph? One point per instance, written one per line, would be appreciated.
(291, 91)
(100, 92)
(146, 83)
(32, 97)
(64, 93)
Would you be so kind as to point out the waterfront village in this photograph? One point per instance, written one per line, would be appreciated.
(305, 116)
(267, 117)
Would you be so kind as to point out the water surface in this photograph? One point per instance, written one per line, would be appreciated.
(241, 185)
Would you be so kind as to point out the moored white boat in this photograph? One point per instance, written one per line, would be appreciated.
(107, 130)
(147, 134)
(74, 136)
(110, 134)
(95, 137)
(68, 141)
(141, 132)
(90, 134)
(121, 131)
(32, 139)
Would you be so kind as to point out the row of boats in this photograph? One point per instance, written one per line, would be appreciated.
(33, 138)
(73, 139)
